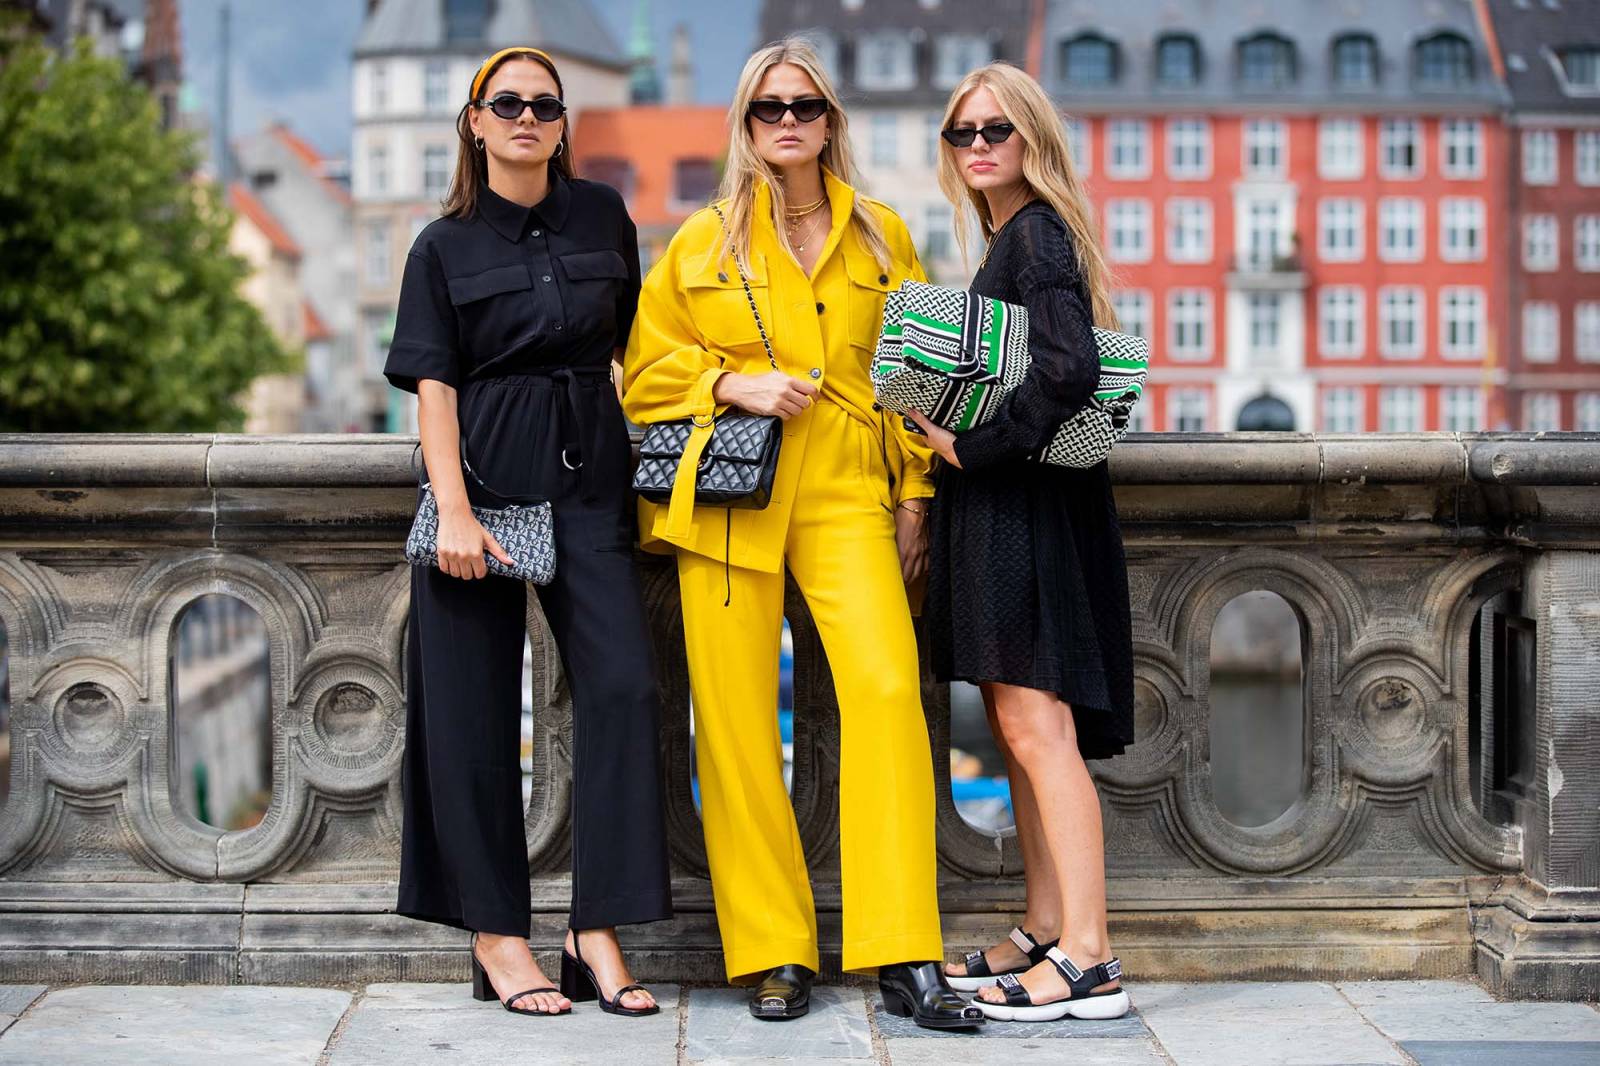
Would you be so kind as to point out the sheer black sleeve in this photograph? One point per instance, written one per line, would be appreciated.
(1064, 370)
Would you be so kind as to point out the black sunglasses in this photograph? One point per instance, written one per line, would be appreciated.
(509, 107)
(806, 109)
(963, 137)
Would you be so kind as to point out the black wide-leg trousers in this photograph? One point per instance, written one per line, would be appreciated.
(464, 858)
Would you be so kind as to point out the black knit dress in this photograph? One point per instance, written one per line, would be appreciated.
(1027, 584)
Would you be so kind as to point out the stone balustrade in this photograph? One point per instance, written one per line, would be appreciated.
(1448, 593)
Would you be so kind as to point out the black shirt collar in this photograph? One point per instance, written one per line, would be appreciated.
(510, 220)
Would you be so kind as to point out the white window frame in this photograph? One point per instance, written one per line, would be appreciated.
(1586, 157)
(932, 123)
(1586, 243)
(883, 134)
(955, 55)
(1392, 132)
(1389, 208)
(1461, 409)
(1353, 225)
(896, 46)
(1264, 136)
(1349, 302)
(441, 152)
(1189, 230)
(1462, 221)
(1390, 408)
(378, 87)
(1080, 140)
(1135, 311)
(1344, 409)
(1541, 243)
(379, 253)
(1417, 305)
(378, 169)
(1128, 216)
(435, 86)
(1586, 331)
(1461, 148)
(1341, 150)
(1541, 157)
(1541, 331)
(1197, 399)
(1586, 412)
(1264, 311)
(1541, 411)
(1463, 309)
(1127, 149)
(1189, 149)
(1191, 310)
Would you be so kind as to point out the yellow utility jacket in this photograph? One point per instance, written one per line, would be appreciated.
(694, 325)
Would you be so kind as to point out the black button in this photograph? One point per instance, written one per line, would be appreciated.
(722, 275)
(819, 307)
(877, 407)
(883, 279)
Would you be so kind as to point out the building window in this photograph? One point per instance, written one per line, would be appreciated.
(610, 170)
(1266, 61)
(1187, 410)
(1339, 149)
(1078, 143)
(694, 182)
(435, 171)
(1188, 148)
(1400, 322)
(1541, 412)
(378, 169)
(1355, 62)
(1444, 61)
(1400, 409)
(885, 139)
(436, 86)
(1460, 409)
(955, 54)
(1088, 61)
(1400, 148)
(1133, 311)
(1339, 230)
(1189, 324)
(1343, 410)
(1177, 61)
(1264, 233)
(1188, 230)
(938, 232)
(1541, 331)
(1265, 334)
(1461, 148)
(378, 255)
(1586, 242)
(931, 126)
(1342, 316)
(1581, 69)
(380, 88)
(1541, 243)
(1586, 149)
(1586, 332)
(1461, 229)
(1586, 412)
(1128, 148)
(465, 21)
(1540, 164)
(883, 61)
(1461, 324)
(1128, 222)
(1400, 229)
(1265, 148)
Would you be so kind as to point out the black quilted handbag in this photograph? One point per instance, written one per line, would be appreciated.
(739, 462)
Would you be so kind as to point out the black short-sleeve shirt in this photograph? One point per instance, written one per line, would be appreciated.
(514, 289)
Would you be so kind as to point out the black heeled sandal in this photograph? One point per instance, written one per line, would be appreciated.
(578, 984)
(919, 991)
(979, 975)
(1082, 1003)
(483, 989)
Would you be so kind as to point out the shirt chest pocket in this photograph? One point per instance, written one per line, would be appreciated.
(721, 313)
(870, 285)
(495, 310)
(593, 282)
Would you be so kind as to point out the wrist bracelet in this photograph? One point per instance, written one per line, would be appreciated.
(914, 510)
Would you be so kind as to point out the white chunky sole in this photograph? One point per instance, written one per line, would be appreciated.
(1090, 1008)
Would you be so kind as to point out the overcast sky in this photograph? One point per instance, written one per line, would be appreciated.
(291, 58)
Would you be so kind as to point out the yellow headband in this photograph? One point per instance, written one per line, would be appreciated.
(488, 65)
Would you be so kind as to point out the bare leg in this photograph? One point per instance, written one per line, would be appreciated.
(1039, 732)
(511, 968)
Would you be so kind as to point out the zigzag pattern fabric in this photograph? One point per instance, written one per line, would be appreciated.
(954, 355)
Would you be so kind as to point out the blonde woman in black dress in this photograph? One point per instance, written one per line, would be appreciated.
(1027, 592)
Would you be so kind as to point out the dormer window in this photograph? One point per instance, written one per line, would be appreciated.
(1177, 61)
(1355, 61)
(465, 21)
(1088, 61)
(883, 61)
(1580, 68)
(1444, 61)
(1266, 61)
(955, 55)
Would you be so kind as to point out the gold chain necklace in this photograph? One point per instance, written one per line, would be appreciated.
(804, 209)
(811, 232)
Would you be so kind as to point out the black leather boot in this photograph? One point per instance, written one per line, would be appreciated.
(784, 993)
(919, 991)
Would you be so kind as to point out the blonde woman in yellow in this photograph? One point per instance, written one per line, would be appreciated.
(846, 519)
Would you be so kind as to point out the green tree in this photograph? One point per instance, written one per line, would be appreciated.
(119, 299)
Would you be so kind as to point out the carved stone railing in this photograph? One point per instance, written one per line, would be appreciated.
(1449, 821)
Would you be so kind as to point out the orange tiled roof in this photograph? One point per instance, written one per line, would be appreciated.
(243, 201)
(652, 138)
(310, 158)
(312, 325)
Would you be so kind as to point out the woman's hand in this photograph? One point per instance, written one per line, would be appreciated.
(772, 393)
(940, 439)
(911, 537)
(462, 542)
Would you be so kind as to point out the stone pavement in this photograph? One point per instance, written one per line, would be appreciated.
(1407, 1023)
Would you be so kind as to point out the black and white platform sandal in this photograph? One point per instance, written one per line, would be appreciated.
(1020, 1007)
(979, 975)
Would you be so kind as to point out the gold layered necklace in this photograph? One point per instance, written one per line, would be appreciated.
(795, 218)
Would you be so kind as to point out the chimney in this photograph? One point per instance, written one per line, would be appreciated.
(680, 72)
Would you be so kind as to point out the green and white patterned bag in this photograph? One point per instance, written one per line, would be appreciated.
(954, 355)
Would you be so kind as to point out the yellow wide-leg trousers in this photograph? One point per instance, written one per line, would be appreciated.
(840, 549)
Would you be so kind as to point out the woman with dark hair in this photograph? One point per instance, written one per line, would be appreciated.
(512, 309)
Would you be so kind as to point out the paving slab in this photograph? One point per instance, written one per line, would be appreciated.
(721, 1029)
(176, 1025)
(14, 999)
(1405, 1020)
(981, 1051)
(1364, 993)
(442, 1023)
(1129, 1026)
(1501, 1052)
(1270, 1024)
